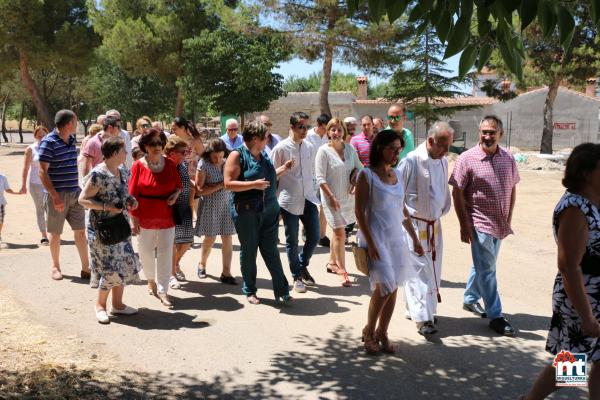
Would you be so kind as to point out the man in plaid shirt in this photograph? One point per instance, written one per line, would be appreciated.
(484, 190)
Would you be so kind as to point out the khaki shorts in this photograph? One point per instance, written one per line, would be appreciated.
(73, 213)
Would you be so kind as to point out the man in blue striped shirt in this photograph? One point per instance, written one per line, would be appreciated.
(58, 172)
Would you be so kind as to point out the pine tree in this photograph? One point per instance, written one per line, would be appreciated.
(423, 80)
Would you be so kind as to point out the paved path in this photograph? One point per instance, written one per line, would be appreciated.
(214, 343)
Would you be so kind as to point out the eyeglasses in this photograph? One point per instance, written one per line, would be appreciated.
(232, 129)
(395, 117)
(489, 132)
(155, 143)
(146, 126)
(301, 126)
(394, 149)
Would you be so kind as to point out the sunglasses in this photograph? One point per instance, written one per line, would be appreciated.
(184, 152)
(301, 126)
(489, 132)
(146, 126)
(394, 149)
(155, 143)
(394, 117)
(232, 129)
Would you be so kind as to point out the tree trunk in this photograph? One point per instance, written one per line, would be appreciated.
(332, 16)
(4, 106)
(39, 101)
(21, 116)
(179, 103)
(242, 120)
(547, 133)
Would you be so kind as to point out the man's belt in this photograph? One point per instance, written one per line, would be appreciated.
(431, 243)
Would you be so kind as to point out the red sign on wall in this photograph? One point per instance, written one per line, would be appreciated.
(565, 126)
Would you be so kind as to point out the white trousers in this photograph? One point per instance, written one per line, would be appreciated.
(420, 292)
(157, 268)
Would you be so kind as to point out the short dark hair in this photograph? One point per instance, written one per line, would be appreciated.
(110, 121)
(147, 137)
(382, 139)
(296, 117)
(111, 146)
(64, 117)
(254, 129)
(582, 161)
(495, 119)
(366, 116)
(323, 119)
(215, 145)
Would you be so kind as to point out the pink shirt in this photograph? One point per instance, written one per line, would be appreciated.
(487, 182)
(92, 149)
(362, 146)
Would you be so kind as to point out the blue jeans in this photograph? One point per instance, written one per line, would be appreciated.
(482, 282)
(310, 220)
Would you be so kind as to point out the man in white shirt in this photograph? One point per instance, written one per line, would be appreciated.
(317, 136)
(298, 198)
(124, 135)
(424, 172)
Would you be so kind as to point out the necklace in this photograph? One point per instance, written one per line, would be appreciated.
(154, 165)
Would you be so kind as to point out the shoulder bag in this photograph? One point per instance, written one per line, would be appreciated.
(115, 229)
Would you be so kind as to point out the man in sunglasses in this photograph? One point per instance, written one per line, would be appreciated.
(298, 198)
(92, 149)
(396, 116)
(124, 135)
(484, 183)
(232, 138)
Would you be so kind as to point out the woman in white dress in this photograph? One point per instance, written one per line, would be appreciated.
(379, 195)
(335, 164)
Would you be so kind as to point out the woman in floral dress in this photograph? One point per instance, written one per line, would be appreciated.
(105, 194)
(576, 296)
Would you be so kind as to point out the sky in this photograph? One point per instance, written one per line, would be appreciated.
(301, 68)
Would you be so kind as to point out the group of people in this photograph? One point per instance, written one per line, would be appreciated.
(247, 183)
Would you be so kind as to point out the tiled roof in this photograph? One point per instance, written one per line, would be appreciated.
(443, 102)
(566, 89)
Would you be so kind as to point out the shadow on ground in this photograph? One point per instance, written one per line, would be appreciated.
(330, 367)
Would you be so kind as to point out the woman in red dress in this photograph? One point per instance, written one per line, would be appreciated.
(156, 184)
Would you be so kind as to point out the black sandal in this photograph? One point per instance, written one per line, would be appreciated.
(228, 280)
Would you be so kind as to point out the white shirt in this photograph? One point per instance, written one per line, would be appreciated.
(296, 185)
(439, 194)
(316, 140)
(129, 158)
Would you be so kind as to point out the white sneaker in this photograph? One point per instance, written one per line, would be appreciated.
(299, 286)
(125, 311)
(174, 283)
(102, 316)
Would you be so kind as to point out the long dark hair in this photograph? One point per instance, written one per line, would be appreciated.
(188, 125)
(582, 161)
(382, 139)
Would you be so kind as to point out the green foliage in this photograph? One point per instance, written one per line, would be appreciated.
(424, 78)
(112, 87)
(452, 21)
(233, 70)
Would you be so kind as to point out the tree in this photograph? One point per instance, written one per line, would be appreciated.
(233, 70)
(495, 25)
(37, 34)
(424, 80)
(548, 63)
(146, 37)
(340, 82)
(323, 29)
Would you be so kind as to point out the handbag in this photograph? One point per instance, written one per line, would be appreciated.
(250, 204)
(112, 230)
(361, 254)
(361, 258)
(115, 229)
